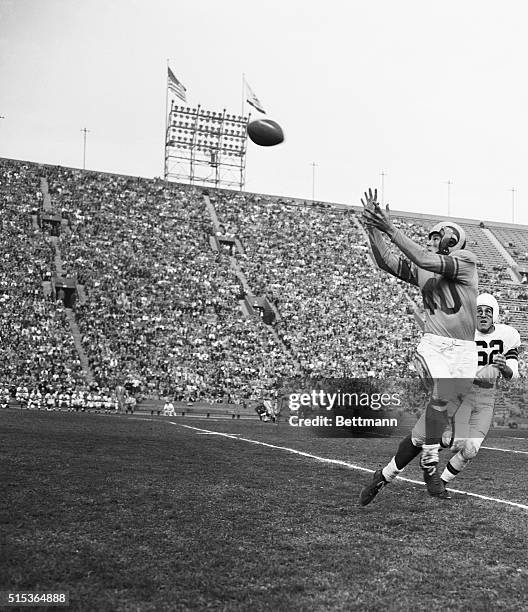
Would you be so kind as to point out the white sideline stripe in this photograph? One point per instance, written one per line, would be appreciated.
(344, 463)
(220, 419)
(212, 433)
(505, 450)
(356, 467)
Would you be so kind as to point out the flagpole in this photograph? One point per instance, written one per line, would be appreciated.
(166, 122)
(243, 91)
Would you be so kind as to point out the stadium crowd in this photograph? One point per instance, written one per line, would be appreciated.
(37, 348)
(162, 307)
(338, 315)
(161, 311)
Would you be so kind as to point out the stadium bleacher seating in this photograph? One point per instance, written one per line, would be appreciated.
(37, 347)
(313, 264)
(161, 306)
(164, 273)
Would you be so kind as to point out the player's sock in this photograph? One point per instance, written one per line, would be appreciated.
(454, 466)
(390, 471)
(436, 422)
(406, 452)
(429, 454)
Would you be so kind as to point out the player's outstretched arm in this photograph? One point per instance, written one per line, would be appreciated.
(376, 218)
(383, 255)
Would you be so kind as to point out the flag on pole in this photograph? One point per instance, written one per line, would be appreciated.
(252, 98)
(176, 87)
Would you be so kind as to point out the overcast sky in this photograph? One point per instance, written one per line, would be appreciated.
(427, 92)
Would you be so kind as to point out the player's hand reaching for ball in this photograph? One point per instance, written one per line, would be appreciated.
(371, 199)
(373, 216)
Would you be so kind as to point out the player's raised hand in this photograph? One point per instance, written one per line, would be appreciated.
(371, 199)
(373, 216)
(370, 202)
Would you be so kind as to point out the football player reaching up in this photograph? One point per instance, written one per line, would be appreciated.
(497, 348)
(447, 277)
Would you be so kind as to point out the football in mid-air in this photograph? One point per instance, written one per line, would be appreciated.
(265, 132)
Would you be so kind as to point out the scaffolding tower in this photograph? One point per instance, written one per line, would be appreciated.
(205, 148)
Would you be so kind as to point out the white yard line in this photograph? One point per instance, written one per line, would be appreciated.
(505, 450)
(212, 433)
(339, 462)
(351, 465)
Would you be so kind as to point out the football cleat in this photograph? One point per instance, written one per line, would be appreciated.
(445, 494)
(369, 492)
(435, 485)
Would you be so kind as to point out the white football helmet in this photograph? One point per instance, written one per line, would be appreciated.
(452, 236)
(486, 299)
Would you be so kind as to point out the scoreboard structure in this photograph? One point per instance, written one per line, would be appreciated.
(204, 147)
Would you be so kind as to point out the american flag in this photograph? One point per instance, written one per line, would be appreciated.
(252, 98)
(176, 87)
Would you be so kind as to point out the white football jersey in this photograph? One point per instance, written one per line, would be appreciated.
(503, 339)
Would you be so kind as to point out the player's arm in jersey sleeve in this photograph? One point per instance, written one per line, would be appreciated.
(460, 266)
(388, 261)
(512, 354)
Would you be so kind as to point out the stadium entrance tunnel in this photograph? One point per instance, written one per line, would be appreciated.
(261, 307)
(65, 289)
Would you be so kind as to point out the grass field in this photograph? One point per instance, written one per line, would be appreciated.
(132, 513)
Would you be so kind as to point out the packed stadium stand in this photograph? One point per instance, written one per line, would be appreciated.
(118, 286)
(37, 346)
(161, 306)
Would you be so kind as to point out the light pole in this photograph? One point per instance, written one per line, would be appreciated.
(513, 204)
(383, 175)
(449, 183)
(314, 166)
(85, 131)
